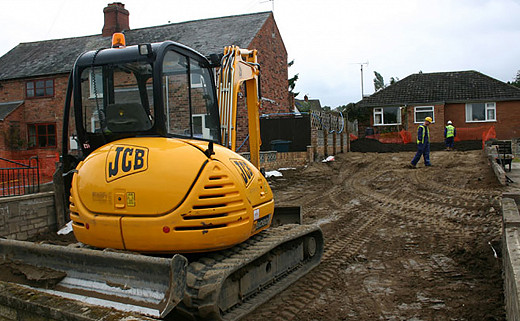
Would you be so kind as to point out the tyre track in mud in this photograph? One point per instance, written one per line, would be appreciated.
(342, 248)
(364, 197)
(338, 250)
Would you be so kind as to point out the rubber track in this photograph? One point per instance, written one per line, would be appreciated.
(206, 275)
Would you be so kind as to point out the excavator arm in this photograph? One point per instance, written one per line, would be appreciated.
(239, 66)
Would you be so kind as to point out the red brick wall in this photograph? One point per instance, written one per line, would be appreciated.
(507, 125)
(35, 110)
(436, 128)
(12, 90)
(457, 114)
(272, 57)
(508, 119)
(14, 120)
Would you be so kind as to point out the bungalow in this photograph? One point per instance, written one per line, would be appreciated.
(33, 76)
(469, 99)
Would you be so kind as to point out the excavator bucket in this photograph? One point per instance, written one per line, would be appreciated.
(148, 285)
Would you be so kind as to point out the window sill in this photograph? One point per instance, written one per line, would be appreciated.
(38, 97)
(386, 124)
(481, 121)
(46, 147)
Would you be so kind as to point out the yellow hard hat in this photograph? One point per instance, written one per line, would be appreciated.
(429, 119)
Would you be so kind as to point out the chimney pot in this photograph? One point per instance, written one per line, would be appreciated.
(116, 19)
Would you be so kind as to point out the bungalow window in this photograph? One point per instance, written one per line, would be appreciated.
(387, 116)
(421, 112)
(480, 112)
(197, 81)
(96, 83)
(39, 88)
(41, 135)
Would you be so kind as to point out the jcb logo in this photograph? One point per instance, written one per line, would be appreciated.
(123, 160)
(244, 170)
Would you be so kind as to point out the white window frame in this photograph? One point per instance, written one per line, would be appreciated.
(488, 106)
(99, 85)
(206, 134)
(197, 80)
(380, 111)
(423, 109)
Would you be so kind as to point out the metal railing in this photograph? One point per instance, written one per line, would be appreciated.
(19, 179)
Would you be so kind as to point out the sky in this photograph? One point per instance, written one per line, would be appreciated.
(329, 40)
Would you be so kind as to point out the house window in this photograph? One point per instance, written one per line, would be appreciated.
(387, 116)
(421, 112)
(197, 81)
(39, 88)
(480, 112)
(96, 83)
(41, 135)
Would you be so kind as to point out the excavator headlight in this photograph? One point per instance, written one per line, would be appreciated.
(145, 49)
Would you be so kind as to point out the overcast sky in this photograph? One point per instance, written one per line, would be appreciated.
(328, 39)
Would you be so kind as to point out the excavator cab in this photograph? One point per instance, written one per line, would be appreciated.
(164, 90)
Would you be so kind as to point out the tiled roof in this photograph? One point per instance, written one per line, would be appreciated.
(7, 108)
(460, 86)
(313, 104)
(207, 36)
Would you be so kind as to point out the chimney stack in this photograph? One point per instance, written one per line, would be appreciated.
(116, 19)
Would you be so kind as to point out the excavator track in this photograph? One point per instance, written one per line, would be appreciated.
(229, 284)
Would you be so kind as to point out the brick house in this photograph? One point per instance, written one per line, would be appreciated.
(470, 99)
(307, 104)
(33, 76)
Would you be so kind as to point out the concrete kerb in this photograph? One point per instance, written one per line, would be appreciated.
(497, 168)
(511, 256)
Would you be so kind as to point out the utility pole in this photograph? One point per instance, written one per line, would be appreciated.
(361, 64)
(362, 92)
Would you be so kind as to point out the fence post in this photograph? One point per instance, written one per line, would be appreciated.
(325, 142)
(334, 149)
(341, 139)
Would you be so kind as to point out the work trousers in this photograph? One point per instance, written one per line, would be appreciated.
(449, 142)
(422, 150)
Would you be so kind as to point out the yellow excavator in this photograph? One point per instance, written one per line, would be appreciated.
(156, 174)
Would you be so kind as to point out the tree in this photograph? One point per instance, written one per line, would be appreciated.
(292, 80)
(379, 82)
(393, 80)
(353, 112)
(516, 81)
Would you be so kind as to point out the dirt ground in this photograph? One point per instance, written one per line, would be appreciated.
(401, 244)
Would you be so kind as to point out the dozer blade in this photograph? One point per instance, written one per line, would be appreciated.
(148, 285)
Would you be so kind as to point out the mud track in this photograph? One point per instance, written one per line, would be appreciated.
(401, 244)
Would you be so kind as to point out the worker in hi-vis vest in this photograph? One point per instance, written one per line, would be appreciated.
(449, 135)
(423, 143)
